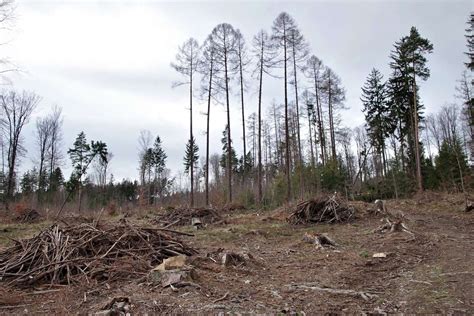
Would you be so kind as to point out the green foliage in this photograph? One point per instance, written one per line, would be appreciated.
(158, 157)
(191, 155)
(378, 114)
(28, 182)
(225, 149)
(333, 176)
(451, 162)
(431, 179)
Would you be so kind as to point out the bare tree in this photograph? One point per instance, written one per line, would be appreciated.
(43, 141)
(314, 70)
(101, 168)
(145, 140)
(7, 16)
(224, 39)
(283, 27)
(335, 95)
(187, 61)
(16, 111)
(299, 54)
(55, 154)
(243, 61)
(261, 49)
(208, 68)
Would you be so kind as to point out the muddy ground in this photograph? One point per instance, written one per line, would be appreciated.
(430, 272)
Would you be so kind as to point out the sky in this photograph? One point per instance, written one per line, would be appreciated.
(107, 63)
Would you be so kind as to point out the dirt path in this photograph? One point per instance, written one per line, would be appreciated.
(431, 272)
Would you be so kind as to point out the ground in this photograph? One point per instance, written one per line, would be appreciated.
(430, 272)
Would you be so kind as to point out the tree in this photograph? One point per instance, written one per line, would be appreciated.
(224, 162)
(418, 47)
(377, 113)
(159, 164)
(191, 155)
(186, 64)
(261, 49)
(470, 42)
(299, 54)
(224, 39)
(55, 155)
(43, 141)
(243, 60)
(282, 29)
(335, 96)
(29, 182)
(82, 154)
(314, 70)
(465, 93)
(208, 69)
(7, 15)
(144, 142)
(16, 110)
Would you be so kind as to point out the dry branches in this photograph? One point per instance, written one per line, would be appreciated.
(322, 210)
(184, 216)
(61, 255)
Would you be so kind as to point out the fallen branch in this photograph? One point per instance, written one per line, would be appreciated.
(365, 295)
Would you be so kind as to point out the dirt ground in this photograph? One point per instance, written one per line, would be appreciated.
(430, 272)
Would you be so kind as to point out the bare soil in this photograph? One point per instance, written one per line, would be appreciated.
(430, 272)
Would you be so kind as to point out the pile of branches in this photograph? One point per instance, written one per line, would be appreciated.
(184, 216)
(66, 255)
(321, 210)
(28, 216)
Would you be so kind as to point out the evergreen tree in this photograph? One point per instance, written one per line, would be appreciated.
(470, 42)
(81, 155)
(377, 112)
(28, 182)
(191, 155)
(409, 63)
(159, 157)
(225, 150)
(451, 163)
(56, 180)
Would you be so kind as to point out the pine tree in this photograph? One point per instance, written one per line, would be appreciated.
(408, 64)
(377, 113)
(81, 155)
(191, 155)
(225, 151)
(470, 42)
(159, 157)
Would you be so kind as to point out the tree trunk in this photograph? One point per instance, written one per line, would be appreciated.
(207, 130)
(229, 145)
(300, 157)
(191, 169)
(259, 171)
(243, 116)
(287, 136)
(417, 143)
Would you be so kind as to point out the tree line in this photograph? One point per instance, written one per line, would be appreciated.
(291, 148)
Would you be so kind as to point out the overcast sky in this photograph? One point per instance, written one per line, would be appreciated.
(107, 63)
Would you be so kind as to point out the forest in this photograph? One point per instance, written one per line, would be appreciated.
(297, 211)
(291, 149)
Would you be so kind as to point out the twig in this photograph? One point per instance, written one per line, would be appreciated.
(221, 298)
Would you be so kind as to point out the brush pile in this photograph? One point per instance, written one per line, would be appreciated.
(184, 216)
(321, 210)
(84, 252)
(28, 216)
